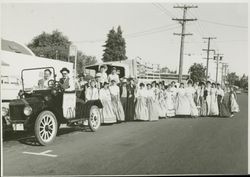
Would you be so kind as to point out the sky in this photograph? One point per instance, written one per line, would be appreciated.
(147, 27)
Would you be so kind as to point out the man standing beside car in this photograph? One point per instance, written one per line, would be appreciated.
(65, 81)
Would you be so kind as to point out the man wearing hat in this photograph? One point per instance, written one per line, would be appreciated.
(130, 113)
(114, 76)
(124, 94)
(64, 81)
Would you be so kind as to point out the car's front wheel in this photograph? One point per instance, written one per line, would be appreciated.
(46, 128)
(94, 118)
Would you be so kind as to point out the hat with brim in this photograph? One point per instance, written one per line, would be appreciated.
(64, 69)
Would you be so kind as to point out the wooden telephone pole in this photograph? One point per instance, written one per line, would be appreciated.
(223, 73)
(183, 21)
(217, 58)
(208, 50)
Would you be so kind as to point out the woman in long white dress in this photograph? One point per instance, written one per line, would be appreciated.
(190, 93)
(234, 107)
(141, 109)
(108, 114)
(152, 108)
(160, 101)
(182, 104)
(116, 102)
(214, 110)
(170, 104)
(208, 96)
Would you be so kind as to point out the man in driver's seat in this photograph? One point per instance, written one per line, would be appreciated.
(43, 83)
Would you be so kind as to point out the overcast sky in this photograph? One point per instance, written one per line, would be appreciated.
(148, 29)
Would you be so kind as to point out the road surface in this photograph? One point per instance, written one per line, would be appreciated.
(169, 146)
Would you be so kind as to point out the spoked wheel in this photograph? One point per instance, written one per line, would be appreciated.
(46, 127)
(94, 118)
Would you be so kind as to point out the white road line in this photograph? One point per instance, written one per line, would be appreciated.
(45, 153)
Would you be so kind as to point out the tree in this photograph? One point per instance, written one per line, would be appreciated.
(54, 45)
(84, 60)
(197, 72)
(242, 82)
(232, 78)
(115, 46)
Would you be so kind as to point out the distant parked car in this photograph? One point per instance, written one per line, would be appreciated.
(238, 91)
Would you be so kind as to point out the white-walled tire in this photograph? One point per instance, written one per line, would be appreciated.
(94, 121)
(46, 128)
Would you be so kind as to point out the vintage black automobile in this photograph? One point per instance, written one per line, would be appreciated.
(43, 110)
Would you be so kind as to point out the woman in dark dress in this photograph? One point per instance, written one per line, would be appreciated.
(124, 95)
(130, 112)
(225, 105)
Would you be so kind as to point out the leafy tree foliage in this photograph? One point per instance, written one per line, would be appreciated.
(115, 46)
(234, 79)
(197, 72)
(54, 45)
(49, 45)
(84, 60)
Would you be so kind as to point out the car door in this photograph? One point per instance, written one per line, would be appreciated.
(69, 101)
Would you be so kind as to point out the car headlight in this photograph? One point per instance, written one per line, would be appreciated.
(5, 111)
(54, 92)
(47, 98)
(27, 111)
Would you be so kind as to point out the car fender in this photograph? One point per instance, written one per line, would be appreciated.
(83, 108)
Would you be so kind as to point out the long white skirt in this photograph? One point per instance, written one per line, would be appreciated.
(118, 109)
(193, 107)
(170, 107)
(108, 115)
(141, 109)
(214, 110)
(234, 105)
(152, 110)
(182, 106)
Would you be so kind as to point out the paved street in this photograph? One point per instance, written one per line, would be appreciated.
(178, 145)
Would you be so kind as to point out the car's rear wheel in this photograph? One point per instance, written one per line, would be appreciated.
(94, 118)
(46, 128)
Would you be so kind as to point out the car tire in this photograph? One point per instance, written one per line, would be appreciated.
(94, 121)
(46, 127)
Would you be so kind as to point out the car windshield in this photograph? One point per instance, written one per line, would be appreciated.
(37, 79)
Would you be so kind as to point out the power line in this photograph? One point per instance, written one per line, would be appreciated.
(223, 24)
(150, 30)
(166, 10)
(137, 34)
(162, 9)
(159, 31)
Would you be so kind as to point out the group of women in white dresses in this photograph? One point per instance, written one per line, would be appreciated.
(149, 102)
(199, 99)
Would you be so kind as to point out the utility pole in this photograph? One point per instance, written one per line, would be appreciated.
(223, 74)
(183, 21)
(208, 52)
(217, 58)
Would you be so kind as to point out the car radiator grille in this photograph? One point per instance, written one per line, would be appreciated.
(16, 112)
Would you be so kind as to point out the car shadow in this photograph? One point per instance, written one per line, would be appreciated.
(28, 138)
